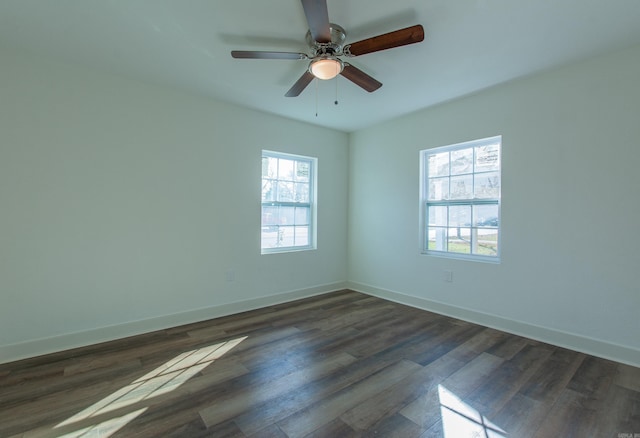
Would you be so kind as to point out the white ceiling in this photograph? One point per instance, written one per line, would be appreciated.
(469, 45)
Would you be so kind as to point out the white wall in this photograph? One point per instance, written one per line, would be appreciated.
(570, 210)
(124, 204)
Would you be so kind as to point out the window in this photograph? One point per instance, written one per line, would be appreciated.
(288, 198)
(460, 206)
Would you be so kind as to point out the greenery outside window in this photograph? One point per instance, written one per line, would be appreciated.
(288, 202)
(460, 194)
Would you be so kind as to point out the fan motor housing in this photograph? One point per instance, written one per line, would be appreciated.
(338, 35)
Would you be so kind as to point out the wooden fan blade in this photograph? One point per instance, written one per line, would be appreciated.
(402, 37)
(318, 19)
(360, 78)
(248, 54)
(300, 84)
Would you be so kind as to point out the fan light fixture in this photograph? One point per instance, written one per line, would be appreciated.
(326, 68)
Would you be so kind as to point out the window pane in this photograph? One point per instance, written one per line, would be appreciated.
(301, 236)
(302, 171)
(487, 185)
(285, 191)
(459, 240)
(268, 190)
(439, 164)
(461, 187)
(460, 216)
(285, 169)
(438, 215)
(487, 242)
(302, 192)
(485, 215)
(269, 215)
(287, 216)
(269, 237)
(269, 167)
(285, 236)
(487, 158)
(437, 239)
(462, 161)
(302, 216)
(438, 189)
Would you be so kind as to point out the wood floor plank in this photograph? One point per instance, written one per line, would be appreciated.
(522, 416)
(448, 338)
(389, 336)
(64, 401)
(483, 340)
(336, 428)
(232, 406)
(271, 431)
(620, 412)
(363, 336)
(194, 429)
(469, 377)
(508, 347)
(370, 412)
(394, 426)
(593, 376)
(336, 365)
(293, 351)
(308, 420)
(342, 319)
(506, 380)
(627, 377)
(568, 417)
(410, 389)
(225, 430)
(294, 401)
(30, 391)
(426, 409)
(553, 376)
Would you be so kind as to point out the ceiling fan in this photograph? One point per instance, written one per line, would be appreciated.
(326, 44)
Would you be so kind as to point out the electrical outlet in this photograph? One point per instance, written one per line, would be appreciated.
(447, 276)
(230, 275)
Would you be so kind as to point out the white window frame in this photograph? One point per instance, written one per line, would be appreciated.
(472, 201)
(311, 205)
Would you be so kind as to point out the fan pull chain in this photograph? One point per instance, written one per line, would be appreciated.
(336, 101)
(316, 81)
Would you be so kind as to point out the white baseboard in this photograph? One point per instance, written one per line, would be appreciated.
(38, 347)
(583, 344)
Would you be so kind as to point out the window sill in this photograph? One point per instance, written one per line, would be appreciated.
(265, 251)
(463, 257)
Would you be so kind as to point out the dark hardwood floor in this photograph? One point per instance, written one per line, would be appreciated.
(338, 365)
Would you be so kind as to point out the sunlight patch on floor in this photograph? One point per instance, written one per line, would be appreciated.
(106, 428)
(459, 420)
(162, 380)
